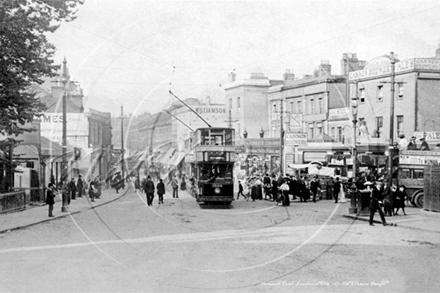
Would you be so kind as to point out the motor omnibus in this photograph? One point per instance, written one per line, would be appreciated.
(212, 165)
(411, 172)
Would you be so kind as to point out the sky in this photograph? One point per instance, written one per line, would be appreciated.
(131, 53)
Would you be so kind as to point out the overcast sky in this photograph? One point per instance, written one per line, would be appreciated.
(128, 52)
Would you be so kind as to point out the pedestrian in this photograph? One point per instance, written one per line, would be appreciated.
(305, 193)
(293, 187)
(376, 201)
(149, 190)
(72, 189)
(80, 186)
(137, 184)
(175, 185)
(118, 182)
(50, 199)
(387, 194)
(65, 192)
(259, 189)
(424, 146)
(267, 186)
(274, 189)
(240, 190)
(160, 190)
(93, 190)
(399, 199)
(314, 187)
(336, 189)
(284, 188)
(183, 183)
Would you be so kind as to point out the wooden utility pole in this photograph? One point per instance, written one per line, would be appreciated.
(122, 142)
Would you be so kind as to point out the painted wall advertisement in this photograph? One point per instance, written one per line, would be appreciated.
(77, 128)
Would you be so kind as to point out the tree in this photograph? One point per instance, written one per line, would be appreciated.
(26, 56)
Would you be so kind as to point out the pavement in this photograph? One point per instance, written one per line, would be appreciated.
(36, 214)
(416, 218)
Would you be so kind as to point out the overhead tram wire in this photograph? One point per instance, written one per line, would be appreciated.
(209, 125)
(180, 121)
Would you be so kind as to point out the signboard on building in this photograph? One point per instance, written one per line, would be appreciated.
(210, 110)
(339, 114)
(295, 138)
(382, 68)
(52, 126)
(419, 157)
(78, 141)
(428, 135)
(296, 122)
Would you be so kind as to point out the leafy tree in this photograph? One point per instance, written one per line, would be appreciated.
(26, 56)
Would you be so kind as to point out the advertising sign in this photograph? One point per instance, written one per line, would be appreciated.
(296, 121)
(52, 126)
(295, 138)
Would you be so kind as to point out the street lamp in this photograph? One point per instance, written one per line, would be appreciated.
(354, 111)
(391, 144)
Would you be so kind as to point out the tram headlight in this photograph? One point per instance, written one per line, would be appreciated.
(217, 190)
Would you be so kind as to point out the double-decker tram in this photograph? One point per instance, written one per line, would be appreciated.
(213, 163)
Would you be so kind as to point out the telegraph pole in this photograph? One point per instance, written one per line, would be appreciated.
(281, 138)
(122, 142)
(64, 142)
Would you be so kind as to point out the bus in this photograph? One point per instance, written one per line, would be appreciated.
(212, 165)
(411, 172)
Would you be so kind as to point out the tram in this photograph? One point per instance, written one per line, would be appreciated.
(212, 165)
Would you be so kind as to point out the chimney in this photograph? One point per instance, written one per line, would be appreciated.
(288, 75)
(232, 77)
(208, 100)
(324, 68)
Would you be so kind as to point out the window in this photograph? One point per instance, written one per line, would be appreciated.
(399, 125)
(299, 105)
(418, 174)
(319, 128)
(291, 107)
(404, 173)
(274, 131)
(311, 108)
(238, 102)
(230, 103)
(311, 132)
(333, 133)
(339, 134)
(379, 126)
(362, 96)
(400, 91)
(274, 111)
(380, 93)
(320, 107)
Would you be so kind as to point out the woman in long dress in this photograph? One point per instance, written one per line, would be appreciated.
(341, 196)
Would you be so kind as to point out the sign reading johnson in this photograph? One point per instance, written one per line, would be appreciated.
(52, 125)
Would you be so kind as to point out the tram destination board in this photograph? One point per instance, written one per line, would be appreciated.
(216, 156)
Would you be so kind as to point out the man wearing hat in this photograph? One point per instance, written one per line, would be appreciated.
(412, 145)
(424, 146)
(403, 142)
(375, 202)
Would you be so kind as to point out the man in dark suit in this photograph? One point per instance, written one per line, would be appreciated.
(72, 189)
(336, 189)
(149, 190)
(375, 202)
(80, 186)
(314, 186)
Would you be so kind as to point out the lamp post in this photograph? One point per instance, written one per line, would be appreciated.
(391, 145)
(354, 110)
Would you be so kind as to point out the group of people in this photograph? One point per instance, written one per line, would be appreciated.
(70, 190)
(147, 185)
(390, 198)
(404, 144)
(280, 189)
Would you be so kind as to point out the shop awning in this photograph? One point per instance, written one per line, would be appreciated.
(177, 158)
(168, 155)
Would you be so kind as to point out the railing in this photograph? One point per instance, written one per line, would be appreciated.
(13, 201)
